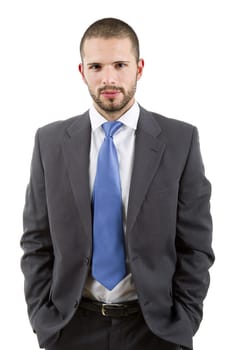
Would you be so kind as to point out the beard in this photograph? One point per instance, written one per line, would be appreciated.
(111, 105)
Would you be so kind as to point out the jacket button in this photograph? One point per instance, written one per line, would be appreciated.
(86, 261)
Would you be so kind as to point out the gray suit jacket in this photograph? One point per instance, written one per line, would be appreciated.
(168, 233)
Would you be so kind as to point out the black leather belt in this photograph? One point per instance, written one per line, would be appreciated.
(110, 310)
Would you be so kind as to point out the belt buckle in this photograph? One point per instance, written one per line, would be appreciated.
(105, 307)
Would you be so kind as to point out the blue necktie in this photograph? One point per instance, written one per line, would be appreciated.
(108, 263)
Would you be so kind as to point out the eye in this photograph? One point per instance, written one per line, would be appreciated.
(95, 67)
(120, 65)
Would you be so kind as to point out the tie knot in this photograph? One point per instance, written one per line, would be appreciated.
(111, 127)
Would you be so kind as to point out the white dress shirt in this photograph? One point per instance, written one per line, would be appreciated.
(124, 140)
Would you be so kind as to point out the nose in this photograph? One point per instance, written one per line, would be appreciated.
(109, 76)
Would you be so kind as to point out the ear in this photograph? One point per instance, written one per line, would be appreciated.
(140, 68)
(81, 71)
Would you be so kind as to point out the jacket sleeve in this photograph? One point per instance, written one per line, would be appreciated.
(37, 260)
(194, 236)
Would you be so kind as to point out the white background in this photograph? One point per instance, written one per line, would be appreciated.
(187, 47)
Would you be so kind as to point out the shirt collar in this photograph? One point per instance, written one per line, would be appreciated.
(129, 118)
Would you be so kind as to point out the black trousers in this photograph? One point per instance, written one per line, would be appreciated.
(89, 330)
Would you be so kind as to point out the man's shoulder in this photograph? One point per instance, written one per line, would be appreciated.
(62, 124)
(167, 122)
(172, 129)
(59, 127)
(176, 133)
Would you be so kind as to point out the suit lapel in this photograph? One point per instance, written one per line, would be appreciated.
(76, 147)
(149, 148)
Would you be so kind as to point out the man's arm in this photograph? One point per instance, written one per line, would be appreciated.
(37, 260)
(194, 236)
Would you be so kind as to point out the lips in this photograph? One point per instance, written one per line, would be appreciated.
(110, 93)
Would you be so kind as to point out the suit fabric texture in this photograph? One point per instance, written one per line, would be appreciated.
(168, 231)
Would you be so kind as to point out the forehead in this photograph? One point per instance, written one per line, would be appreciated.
(113, 49)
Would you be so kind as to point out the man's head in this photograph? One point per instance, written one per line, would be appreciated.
(107, 28)
(111, 65)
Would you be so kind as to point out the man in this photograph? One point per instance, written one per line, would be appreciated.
(146, 291)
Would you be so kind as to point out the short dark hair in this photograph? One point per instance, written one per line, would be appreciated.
(111, 28)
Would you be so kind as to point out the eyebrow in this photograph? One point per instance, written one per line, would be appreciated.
(115, 62)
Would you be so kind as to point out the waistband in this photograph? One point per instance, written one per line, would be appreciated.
(112, 309)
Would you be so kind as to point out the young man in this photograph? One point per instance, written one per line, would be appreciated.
(117, 225)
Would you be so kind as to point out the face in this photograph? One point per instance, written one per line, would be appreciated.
(111, 73)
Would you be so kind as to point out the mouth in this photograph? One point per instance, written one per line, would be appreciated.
(110, 92)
